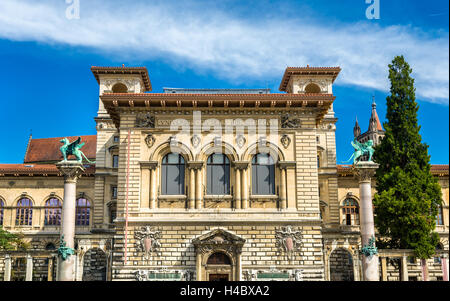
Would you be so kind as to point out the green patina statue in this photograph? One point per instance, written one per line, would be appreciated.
(370, 249)
(361, 149)
(73, 149)
(64, 251)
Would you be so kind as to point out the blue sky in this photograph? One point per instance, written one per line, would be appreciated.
(48, 87)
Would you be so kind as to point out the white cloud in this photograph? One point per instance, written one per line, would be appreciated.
(234, 48)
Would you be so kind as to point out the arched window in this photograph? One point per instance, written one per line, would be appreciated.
(440, 216)
(218, 174)
(50, 246)
(312, 88)
(53, 212)
(1, 211)
(263, 175)
(218, 258)
(24, 213)
(83, 212)
(172, 174)
(119, 88)
(350, 211)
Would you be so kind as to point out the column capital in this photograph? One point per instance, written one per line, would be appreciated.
(241, 164)
(71, 170)
(148, 164)
(364, 171)
(286, 164)
(195, 164)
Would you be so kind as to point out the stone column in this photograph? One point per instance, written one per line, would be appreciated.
(283, 189)
(191, 200)
(365, 171)
(383, 269)
(237, 189)
(404, 268)
(72, 170)
(199, 265)
(29, 268)
(198, 188)
(424, 266)
(50, 269)
(238, 267)
(444, 264)
(7, 274)
(153, 186)
(244, 176)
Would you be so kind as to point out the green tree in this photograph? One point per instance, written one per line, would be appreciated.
(408, 196)
(10, 241)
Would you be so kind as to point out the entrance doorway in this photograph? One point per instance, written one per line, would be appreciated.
(218, 277)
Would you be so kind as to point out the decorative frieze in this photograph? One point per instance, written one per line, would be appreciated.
(145, 120)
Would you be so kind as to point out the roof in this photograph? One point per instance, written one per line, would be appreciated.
(37, 169)
(332, 71)
(142, 71)
(436, 169)
(112, 101)
(47, 150)
(216, 91)
(377, 120)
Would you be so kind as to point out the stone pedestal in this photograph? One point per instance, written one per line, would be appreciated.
(72, 170)
(365, 171)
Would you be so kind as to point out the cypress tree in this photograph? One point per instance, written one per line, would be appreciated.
(408, 196)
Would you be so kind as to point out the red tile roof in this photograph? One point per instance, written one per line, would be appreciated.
(333, 71)
(37, 169)
(46, 150)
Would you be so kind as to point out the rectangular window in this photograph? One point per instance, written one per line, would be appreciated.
(115, 161)
(116, 139)
(114, 192)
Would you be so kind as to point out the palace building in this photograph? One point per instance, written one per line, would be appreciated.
(205, 184)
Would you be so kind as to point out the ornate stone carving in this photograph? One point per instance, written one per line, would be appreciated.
(288, 240)
(147, 240)
(370, 249)
(150, 140)
(195, 140)
(219, 239)
(365, 170)
(285, 140)
(290, 122)
(145, 120)
(240, 140)
(249, 275)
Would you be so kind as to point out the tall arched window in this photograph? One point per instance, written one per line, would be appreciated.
(1, 211)
(173, 167)
(440, 216)
(53, 212)
(83, 212)
(350, 212)
(263, 174)
(218, 174)
(24, 213)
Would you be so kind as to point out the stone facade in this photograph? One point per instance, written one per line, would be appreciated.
(135, 232)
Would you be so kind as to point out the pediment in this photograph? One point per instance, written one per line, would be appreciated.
(218, 237)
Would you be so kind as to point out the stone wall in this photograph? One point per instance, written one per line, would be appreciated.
(259, 252)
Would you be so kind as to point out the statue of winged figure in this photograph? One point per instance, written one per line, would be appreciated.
(361, 149)
(73, 149)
